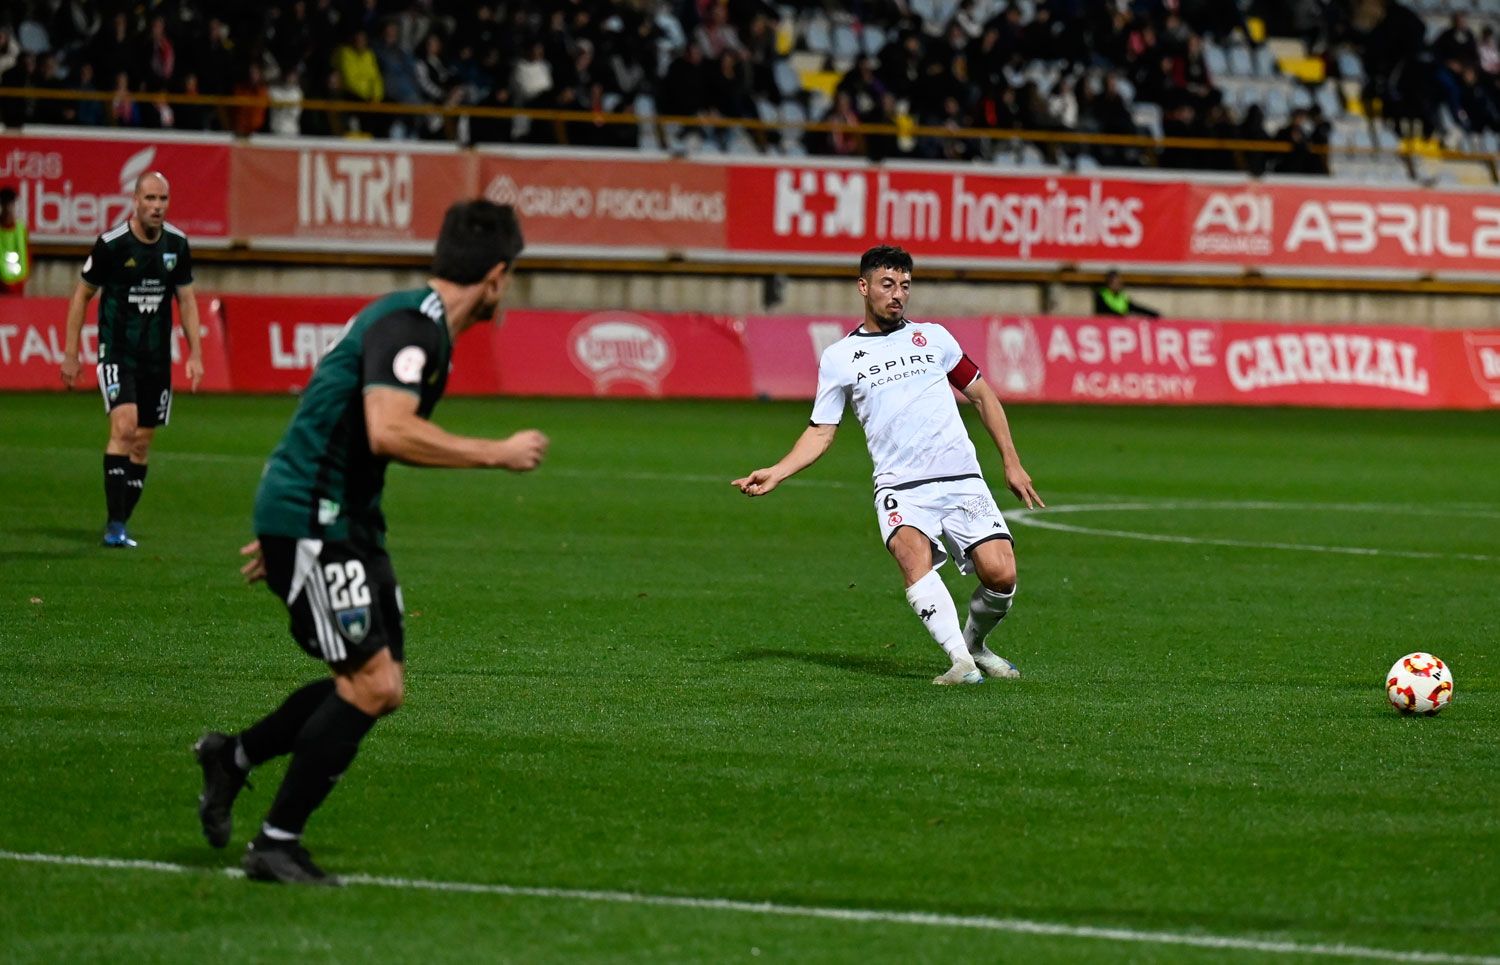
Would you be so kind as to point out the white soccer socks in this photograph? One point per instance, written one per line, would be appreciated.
(986, 609)
(930, 600)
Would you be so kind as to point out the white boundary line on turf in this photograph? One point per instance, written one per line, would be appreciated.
(1016, 926)
(1028, 517)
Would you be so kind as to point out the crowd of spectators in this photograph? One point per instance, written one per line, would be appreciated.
(953, 64)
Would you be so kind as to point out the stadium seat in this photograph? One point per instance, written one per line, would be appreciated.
(923, 10)
(1329, 101)
(1215, 59)
(1263, 62)
(1277, 101)
(792, 114)
(1147, 116)
(845, 42)
(818, 103)
(740, 143)
(817, 33)
(1240, 64)
(1350, 65)
(786, 78)
(1354, 133)
(33, 38)
(872, 39)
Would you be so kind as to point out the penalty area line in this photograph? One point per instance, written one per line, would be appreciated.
(1015, 926)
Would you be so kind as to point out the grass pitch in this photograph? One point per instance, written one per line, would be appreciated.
(625, 676)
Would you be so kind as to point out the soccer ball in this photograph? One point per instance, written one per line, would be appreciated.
(1419, 683)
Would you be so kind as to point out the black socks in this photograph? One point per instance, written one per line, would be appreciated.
(276, 733)
(323, 750)
(123, 484)
(116, 472)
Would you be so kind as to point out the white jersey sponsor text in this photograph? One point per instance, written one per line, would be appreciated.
(897, 382)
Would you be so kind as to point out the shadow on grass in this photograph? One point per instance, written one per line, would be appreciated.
(66, 542)
(875, 666)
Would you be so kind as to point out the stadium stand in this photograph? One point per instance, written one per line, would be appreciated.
(1373, 90)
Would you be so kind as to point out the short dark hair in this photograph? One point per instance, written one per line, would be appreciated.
(7, 194)
(884, 256)
(476, 236)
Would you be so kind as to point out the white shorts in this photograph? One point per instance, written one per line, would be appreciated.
(960, 513)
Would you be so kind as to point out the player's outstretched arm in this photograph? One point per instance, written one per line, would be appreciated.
(397, 432)
(808, 449)
(193, 330)
(992, 414)
(77, 306)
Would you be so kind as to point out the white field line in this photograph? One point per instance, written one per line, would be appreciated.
(1016, 926)
(627, 475)
(1478, 510)
(1026, 517)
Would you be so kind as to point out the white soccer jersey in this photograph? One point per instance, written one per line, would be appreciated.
(899, 384)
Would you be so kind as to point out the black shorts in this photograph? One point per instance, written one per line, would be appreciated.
(149, 391)
(343, 597)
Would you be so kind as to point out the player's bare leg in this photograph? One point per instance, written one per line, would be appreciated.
(995, 564)
(324, 749)
(930, 600)
(122, 478)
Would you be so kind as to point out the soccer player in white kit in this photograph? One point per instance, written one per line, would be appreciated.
(930, 496)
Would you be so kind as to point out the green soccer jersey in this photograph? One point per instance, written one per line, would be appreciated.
(137, 284)
(322, 480)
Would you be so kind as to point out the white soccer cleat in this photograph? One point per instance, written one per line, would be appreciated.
(960, 673)
(995, 665)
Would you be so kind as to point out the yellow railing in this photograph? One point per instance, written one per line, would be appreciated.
(1149, 146)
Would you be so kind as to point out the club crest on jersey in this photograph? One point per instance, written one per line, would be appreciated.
(917, 338)
(354, 624)
(169, 260)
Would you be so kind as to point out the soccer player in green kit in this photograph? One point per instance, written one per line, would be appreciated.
(321, 533)
(140, 266)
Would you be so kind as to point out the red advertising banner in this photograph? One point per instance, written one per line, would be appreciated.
(623, 354)
(954, 214)
(33, 332)
(258, 343)
(72, 187)
(277, 341)
(1332, 226)
(321, 195)
(1130, 361)
(613, 204)
(324, 194)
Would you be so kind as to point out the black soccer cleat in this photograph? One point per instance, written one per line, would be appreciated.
(283, 862)
(222, 782)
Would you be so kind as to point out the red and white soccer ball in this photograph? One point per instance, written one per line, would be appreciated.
(1419, 683)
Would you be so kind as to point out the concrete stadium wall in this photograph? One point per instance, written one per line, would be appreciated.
(815, 296)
